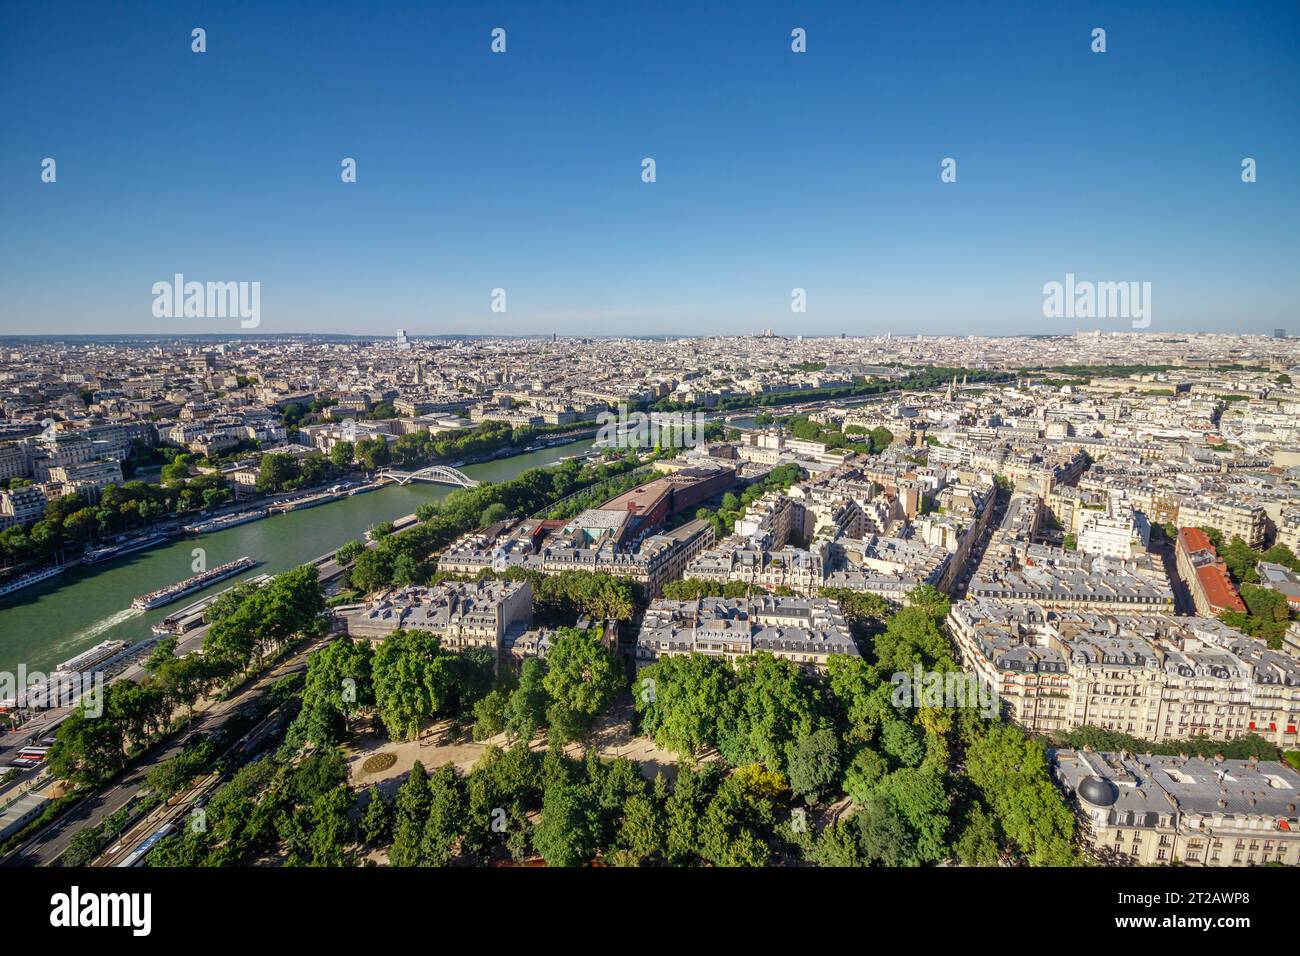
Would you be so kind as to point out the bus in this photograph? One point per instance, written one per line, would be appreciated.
(29, 757)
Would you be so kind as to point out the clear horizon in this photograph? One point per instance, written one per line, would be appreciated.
(522, 171)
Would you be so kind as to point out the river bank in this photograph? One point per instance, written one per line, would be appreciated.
(53, 620)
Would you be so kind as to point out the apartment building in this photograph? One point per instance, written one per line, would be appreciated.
(1055, 578)
(1153, 810)
(461, 615)
(752, 562)
(22, 505)
(13, 461)
(552, 547)
(807, 631)
(87, 479)
(1206, 574)
(1155, 676)
(58, 451)
(1234, 519)
(1120, 532)
(1288, 531)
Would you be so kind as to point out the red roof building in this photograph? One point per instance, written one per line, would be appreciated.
(1206, 574)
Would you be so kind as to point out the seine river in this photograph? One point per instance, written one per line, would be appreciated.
(47, 623)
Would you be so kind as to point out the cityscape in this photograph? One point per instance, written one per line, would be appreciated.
(779, 603)
(602, 442)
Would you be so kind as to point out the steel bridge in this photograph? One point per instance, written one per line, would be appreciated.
(441, 474)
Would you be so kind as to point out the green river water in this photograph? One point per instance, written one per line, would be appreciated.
(50, 622)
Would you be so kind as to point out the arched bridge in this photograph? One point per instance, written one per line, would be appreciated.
(438, 473)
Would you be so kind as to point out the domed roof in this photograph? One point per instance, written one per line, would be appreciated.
(1098, 792)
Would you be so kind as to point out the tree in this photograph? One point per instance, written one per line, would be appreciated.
(742, 809)
(978, 843)
(1265, 603)
(169, 777)
(814, 764)
(411, 812)
(177, 471)
(903, 743)
(407, 570)
(839, 845)
(567, 834)
(684, 810)
(581, 674)
(372, 569)
(526, 710)
(410, 681)
(881, 438)
(342, 453)
(680, 700)
(373, 453)
(912, 637)
(348, 552)
(86, 748)
(863, 774)
(918, 794)
(442, 829)
(330, 827)
(277, 470)
(1240, 559)
(641, 832)
(769, 706)
(490, 714)
(861, 703)
(882, 832)
(377, 818)
(163, 652)
(564, 725)
(1010, 771)
(599, 595)
(250, 621)
(338, 683)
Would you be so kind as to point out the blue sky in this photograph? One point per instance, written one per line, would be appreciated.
(522, 171)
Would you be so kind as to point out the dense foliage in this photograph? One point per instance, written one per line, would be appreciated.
(928, 782)
(74, 522)
(248, 624)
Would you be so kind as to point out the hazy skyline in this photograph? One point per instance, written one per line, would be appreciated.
(522, 170)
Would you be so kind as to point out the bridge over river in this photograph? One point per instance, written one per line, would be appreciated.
(441, 474)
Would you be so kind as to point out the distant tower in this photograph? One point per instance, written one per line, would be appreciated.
(950, 385)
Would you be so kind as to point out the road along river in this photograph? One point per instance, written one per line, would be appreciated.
(50, 622)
